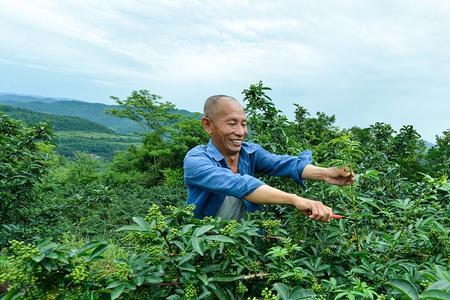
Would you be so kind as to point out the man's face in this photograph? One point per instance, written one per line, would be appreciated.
(228, 128)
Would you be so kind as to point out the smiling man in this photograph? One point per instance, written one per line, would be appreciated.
(221, 175)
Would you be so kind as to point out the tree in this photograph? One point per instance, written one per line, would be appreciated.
(438, 158)
(145, 109)
(169, 136)
(25, 153)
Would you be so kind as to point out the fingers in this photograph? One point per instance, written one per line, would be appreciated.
(320, 212)
(346, 176)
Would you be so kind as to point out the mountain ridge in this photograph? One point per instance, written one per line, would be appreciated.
(77, 108)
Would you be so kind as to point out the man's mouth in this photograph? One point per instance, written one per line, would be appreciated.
(237, 142)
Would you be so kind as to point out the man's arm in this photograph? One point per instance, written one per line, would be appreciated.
(333, 175)
(266, 194)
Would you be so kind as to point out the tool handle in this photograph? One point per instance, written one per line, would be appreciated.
(337, 217)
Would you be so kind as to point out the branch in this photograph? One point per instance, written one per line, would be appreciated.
(259, 275)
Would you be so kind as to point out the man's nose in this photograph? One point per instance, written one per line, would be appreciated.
(240, 130)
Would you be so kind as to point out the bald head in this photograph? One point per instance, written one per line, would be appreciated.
(211, 107)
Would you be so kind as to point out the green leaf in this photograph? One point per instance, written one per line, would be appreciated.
(38, 258)
(203, 278)
(179, 245)
(435, 295)
(196, 245)
(406, 287)
(212, 268)
(282, 290)
(246, 238)
(186, 228)
(205, 295)
(138, 281)
(202, 230)
(187, 267)
(301, 293)
(219, 238)
(141, 222)
(98, 251)
(48, 247)
(186, 258)
(115, 284)
(225, 278)
(439, 285)
(131, 228)
(52, 255)
(44, 242)
(152, 279)
(12, 295)
(117, 291)
(442, 274)
(88, 246)
(49, 265)
(220, 293)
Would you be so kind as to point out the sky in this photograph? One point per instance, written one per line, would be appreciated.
(363, 61)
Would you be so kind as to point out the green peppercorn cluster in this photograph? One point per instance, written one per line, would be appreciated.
(79, 273)
(190, 292)
(241, 289)
(271, 225)
(254, 266)
(229, 228)
(22, 250)
(155, 215)
(156, 252)
(316, 287)
(267, 294)
(22, 270)
(326, 251)
(121, 271)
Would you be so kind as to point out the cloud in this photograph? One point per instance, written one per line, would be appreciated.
(332, 56)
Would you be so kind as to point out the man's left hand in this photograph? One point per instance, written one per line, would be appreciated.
(339, 176)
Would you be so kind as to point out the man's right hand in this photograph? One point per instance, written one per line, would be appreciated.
(316, 210)
(266, 194)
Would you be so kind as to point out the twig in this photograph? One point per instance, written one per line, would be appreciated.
(259, 275)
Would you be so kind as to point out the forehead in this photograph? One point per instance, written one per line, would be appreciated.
(230, 109)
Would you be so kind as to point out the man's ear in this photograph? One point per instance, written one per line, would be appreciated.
(207, 124)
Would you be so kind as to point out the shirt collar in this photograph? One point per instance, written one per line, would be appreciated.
(215, 153)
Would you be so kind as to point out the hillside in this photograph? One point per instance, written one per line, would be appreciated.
(27, 98)
(69, 107)
(75, 134)
(58, 122)
(90, 111)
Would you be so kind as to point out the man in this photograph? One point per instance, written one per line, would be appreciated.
(220, 175)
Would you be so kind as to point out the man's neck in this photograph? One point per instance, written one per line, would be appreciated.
(232, 162)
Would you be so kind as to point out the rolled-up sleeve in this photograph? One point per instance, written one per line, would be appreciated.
(202, 172)
(283, 165)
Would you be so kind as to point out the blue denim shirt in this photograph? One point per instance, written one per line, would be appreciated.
(209, 179)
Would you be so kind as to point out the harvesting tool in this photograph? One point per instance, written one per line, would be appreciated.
(338, 217)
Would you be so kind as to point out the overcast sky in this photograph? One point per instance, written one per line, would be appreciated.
(363, 61)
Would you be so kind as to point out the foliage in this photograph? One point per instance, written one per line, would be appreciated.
(145, 109)
(94, 112)
(169, 136)
(439, 155)
(268, 126)
(186, 258)
(85, 198)
(101, 145)
(25, 152)
(58, 123)
(393, 242)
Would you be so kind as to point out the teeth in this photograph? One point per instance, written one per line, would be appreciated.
(237, 142)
